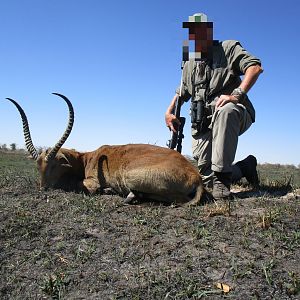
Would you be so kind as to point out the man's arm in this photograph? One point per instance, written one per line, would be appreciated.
(250, 77)
(170, 118)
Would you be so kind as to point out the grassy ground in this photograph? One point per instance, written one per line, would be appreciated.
(57, 245)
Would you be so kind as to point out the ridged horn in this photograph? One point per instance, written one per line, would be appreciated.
(67, 132)
(26, 131)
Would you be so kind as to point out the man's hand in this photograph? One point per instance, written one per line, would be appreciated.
(248, 81)
(223, 99)
(171, 120)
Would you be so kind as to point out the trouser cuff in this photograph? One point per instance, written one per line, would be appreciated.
(221, 169)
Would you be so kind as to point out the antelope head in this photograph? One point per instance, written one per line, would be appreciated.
(54, 163)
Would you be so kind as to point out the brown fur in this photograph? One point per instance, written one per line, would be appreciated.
(145, 171)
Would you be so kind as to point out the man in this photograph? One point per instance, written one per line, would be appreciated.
(220, 108)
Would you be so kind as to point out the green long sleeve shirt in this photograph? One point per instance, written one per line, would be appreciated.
(229, 61)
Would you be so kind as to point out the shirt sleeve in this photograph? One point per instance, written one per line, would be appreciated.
(185, 94)
(240, 59)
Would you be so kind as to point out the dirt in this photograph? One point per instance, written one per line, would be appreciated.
(58, 245)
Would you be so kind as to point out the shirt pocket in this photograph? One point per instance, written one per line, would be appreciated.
(220, 78)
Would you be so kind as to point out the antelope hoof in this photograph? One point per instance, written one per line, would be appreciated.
(130, 198)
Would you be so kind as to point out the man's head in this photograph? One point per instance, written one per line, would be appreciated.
(201, 31)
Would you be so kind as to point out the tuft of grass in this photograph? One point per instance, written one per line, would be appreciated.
(218, 209)
(54, 285)
(293, 286)
(268, 218)
(292, 240)
(267, 271)
(84, 251)
(200, 231)
(282, 186)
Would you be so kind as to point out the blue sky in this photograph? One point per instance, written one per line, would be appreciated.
(119, 64)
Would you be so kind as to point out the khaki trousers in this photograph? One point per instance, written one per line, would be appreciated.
(215, 150)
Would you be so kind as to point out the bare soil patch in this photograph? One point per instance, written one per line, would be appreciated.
(58, 245)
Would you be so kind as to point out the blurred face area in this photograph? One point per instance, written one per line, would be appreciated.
(202, 34)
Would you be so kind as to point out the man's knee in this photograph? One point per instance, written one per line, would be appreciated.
(228, 111)
(228, 107)
(226, 123)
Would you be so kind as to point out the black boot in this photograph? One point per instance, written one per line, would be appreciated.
(221, 186)
(248, 169)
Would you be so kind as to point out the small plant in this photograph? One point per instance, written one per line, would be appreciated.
(293, 287)
(267, 270)
(218, 209)
(267, 219)
(292, 242)
(54, 285)
(84, 251)
(139, 220)
(201, 232)
(240, 271)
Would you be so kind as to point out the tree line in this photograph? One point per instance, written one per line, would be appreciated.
(13, 147)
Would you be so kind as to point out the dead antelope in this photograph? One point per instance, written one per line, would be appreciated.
(136, 170)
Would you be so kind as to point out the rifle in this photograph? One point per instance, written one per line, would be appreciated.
(176, 137)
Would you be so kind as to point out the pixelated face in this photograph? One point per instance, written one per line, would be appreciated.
(202, 34)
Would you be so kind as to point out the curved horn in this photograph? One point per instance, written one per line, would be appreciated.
(67, 132)
(26, 131)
